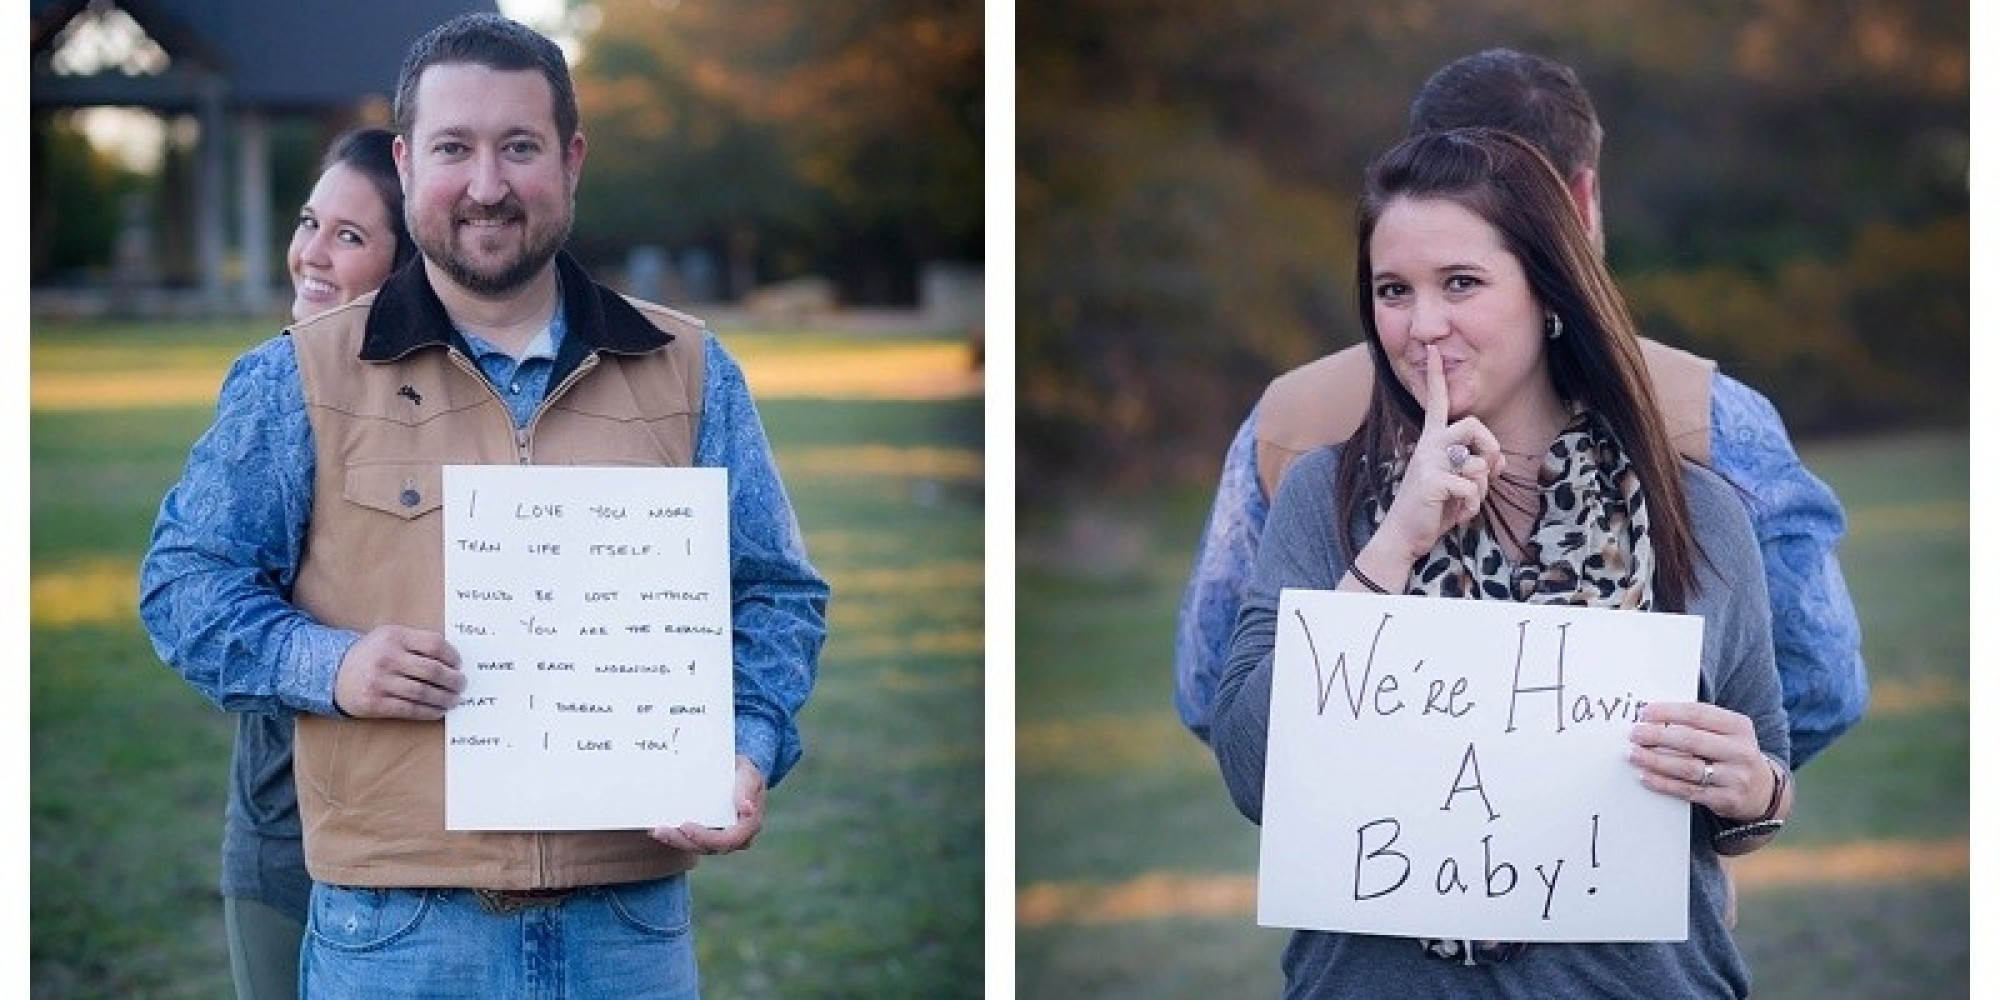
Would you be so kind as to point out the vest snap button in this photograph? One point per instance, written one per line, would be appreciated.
(411, 498)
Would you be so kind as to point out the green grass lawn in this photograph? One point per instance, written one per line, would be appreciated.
(1123, 821)
(867, 879)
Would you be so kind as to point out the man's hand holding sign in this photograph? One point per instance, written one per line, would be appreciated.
(589, 608)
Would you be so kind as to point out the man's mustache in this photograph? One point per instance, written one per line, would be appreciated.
(506, 211)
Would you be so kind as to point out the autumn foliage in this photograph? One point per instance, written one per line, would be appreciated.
(786, 138)
(1785, 189)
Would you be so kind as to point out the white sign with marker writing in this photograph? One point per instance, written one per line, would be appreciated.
(590, 610)
(1458, 769)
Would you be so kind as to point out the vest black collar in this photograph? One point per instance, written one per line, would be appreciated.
(407, 315)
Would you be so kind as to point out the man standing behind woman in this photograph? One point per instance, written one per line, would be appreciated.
(350, 237)
(1513, 450)
(1710, 418)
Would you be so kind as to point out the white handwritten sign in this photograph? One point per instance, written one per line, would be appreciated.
(1457, 769)
(590, 610)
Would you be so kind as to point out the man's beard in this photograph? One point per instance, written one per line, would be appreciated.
(442, 249)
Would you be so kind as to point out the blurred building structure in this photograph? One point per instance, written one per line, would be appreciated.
(233, 67)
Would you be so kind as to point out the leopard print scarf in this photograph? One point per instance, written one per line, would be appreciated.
(1590, 544)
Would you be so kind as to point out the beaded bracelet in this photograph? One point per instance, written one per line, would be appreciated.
(1757, 829)
(1767, 823)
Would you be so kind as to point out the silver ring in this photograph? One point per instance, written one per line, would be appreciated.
(1456, 455)
(1707, 775)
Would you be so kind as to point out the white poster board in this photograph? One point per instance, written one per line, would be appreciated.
(1458, 769)
(590, 609)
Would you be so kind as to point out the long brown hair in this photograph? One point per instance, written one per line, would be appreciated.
(1596, 362)
(366, 151)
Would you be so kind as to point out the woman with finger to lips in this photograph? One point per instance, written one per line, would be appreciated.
(1513, 451)
(350, 237)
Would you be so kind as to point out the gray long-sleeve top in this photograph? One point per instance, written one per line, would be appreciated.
(1737, 672)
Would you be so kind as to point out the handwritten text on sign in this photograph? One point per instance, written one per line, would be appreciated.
(1457, 769)
(590, 610)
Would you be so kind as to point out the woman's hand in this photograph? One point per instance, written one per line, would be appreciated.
(1707, 755)
(1446, 480)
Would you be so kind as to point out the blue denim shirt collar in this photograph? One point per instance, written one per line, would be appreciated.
(546, 345)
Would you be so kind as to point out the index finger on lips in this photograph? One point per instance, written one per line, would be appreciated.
(1437, 398)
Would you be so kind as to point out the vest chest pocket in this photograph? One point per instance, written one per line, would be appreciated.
(407, 490)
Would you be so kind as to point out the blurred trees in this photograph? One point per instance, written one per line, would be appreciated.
(1784, 185)
(786, 137)
(78, 197)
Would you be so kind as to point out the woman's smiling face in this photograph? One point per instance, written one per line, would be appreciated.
(344, 246)
(1442, 275)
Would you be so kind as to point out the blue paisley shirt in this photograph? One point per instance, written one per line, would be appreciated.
(1798, 522)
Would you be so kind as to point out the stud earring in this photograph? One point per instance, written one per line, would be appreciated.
(1552, 325)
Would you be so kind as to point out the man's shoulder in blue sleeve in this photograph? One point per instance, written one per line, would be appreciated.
(1221, 572)
(1799, 524)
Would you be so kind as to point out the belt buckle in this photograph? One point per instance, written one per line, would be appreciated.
(504, 901)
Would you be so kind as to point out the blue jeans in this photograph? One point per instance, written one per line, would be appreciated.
(614, 942)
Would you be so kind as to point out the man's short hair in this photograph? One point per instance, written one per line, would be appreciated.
(1538, 99)
(494, 42)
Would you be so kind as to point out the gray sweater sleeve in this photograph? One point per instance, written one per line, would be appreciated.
(1299, 550)
(1738, 661)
